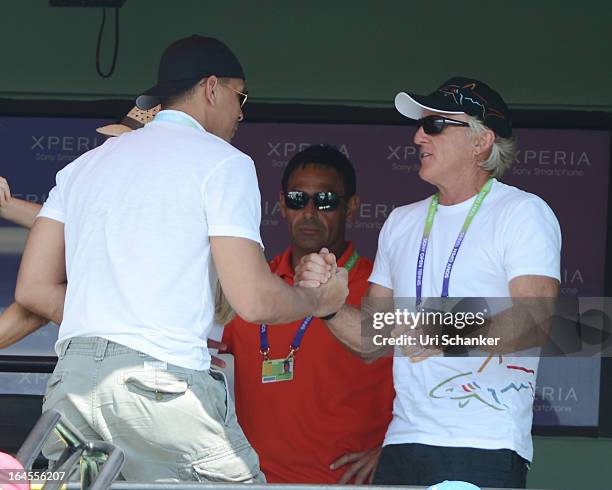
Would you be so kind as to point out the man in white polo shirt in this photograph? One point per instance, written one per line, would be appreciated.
(125, 255)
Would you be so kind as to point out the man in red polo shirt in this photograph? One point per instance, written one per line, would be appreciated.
(313, 411)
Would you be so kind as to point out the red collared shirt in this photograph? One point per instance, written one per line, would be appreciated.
(335, 403)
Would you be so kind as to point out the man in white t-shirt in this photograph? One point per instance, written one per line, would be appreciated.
(460, 418)
(125, 255)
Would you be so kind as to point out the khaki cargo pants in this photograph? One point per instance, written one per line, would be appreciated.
(173, 423)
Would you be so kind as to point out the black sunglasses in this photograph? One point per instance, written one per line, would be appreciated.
(435, 124)
(323, 201)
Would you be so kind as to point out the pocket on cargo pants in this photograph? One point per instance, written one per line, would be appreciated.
(237, 464)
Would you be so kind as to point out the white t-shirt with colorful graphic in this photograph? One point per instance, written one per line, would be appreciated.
(461, 401)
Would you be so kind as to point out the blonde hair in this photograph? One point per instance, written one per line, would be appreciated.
(224, 312)
(503, 150)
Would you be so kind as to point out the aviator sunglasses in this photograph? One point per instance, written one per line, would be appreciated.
(323, 201)
(436, 124)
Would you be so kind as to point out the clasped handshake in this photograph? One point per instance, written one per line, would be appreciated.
(320, 270)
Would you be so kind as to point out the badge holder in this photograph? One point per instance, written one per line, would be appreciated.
(275, 370)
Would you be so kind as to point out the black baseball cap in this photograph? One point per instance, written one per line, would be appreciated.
(187, 61)
(460, 95)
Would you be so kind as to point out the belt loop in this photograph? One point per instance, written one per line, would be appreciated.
(100, 348)
(63, 348)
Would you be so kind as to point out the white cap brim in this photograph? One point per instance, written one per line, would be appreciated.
(409, 107)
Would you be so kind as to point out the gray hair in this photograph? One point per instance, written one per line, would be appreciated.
(503, 150)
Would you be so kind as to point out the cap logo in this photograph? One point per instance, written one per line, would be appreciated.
(467, 97)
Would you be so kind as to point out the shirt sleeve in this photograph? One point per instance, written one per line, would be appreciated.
(54, 207)
(381, 274)
(232, 200)
(532, 241)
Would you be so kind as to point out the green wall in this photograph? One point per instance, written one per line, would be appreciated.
(546, 54)
(571, 463)
(539, 54)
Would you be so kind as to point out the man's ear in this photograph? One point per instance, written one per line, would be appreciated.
(352, 208)
(483, 142)
(283, 206)
(210, 87)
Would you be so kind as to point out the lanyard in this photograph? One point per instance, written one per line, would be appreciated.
(264, 344)
(431, 213)
(176, 117)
